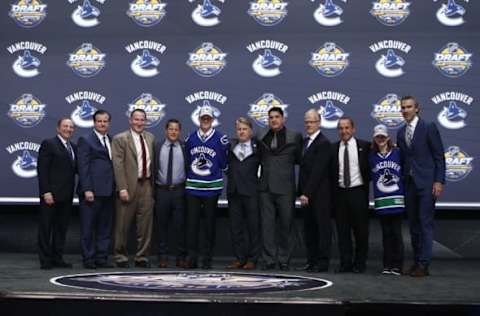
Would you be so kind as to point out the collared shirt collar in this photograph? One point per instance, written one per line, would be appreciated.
(100, 136)
(313, 136)
(413, 123)
(63, 140)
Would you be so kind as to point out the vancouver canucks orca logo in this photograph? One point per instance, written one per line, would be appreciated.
(82, 115)
(25, 162)
(27, 111)
(452, 116)
(201, 166)
(267, 63)
(216, 114)
(259, 109)
(86, 61)
(451, 14)
(328, 13)
(28, 13)
(86, 15)
(206, 14)
(388, 182)
(330, 114)
(388, 111)
(453, 60)
(458, 164)
(146, 13)
(390, 12)
(152, 107)
(329, 110)
(330, 60)
(207, 60)
(26, 65)
(145, 65)
(85, 104)
(268, 12)
(390, 65)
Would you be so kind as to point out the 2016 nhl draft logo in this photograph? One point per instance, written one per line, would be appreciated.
(453, 60)
(86, 103)
(25, 163)
(151, 105)
(390, 65)
(86, 61)
(330, 60)
(206, 13)
(191, 282)
(328, 13)
(146, 13)
(390, 12)
(206, 98)
(388, 111)
(27, 111)
(458, 164)
(259, 109)
(452, 116)
(451, 13)
(145, 64)
(207, 60)
(28, 13)
(27, 64)
(86, 15)
(268, 12)
(329, 111)
(267, 64)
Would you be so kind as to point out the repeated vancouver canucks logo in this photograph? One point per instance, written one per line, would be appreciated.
(268, 12)
(451, 13)
(86, 61)
(207, 60)
(329, 109)
(206, 98)
(390, 12)
(28, 13)
(86, 103)
(202, 165)
(27, 111)
(267, 63)
(387, 182)
(391, 63)
(86, 14)
(152, 107)
(259, 109)
(328, 13)
(145, 63)
(146, 13)
(206, 13)
(452, 60)
(24, 164)
(453, 114)
(458, 164)
(26, 64)
(387, 111)
(330, 60)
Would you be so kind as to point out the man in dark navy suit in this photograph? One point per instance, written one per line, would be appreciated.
(57, 165)
(96, 192)
(424, 170)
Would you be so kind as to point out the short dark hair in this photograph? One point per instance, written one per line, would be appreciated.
(173, 120)
(139, 110)
(276, 109)
(63, 118)
(101, 112)
(346, 118)
(410, 97)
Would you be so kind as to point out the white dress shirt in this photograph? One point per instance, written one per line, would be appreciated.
(105, 144)
(138, 148)
(64, 142)
(311, 138)
(243, 153)
(413, 124)
(355, 175)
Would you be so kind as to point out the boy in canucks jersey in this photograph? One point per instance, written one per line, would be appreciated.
(388, 193)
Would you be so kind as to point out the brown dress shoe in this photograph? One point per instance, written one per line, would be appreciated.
(419, 272)
(249, 266)
(235, 265)
(163, 264)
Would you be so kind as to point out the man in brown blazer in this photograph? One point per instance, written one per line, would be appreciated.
(133, 159)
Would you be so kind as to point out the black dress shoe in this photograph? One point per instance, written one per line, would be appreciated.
(89, 265)
(46, 266)
(62, 264)
(122, 264)
(142, 264)
(268, 266)
(284, 267)
(307, 267)
(104, 265)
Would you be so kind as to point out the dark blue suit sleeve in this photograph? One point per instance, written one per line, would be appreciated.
(83, 163)
(437, 150)
(45, 157)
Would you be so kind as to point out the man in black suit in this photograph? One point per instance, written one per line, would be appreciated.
(314, 190)
(96, 187)
(351, 186)
(242, 193)
(56, 177)
(280, 151)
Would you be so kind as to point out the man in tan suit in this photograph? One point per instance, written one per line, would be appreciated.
(132, 155)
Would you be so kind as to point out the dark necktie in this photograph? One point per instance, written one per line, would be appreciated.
(106, 147)
(144, 158)
(170, 165)
(305, 145)
(70, 151)
(346, 167)
(274, 144)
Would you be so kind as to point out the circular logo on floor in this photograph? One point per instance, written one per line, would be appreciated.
(191, 282)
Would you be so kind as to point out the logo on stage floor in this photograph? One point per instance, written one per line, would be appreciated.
(453, 114)
(206, 98)
(268, 12)
(145, 64)
(86, 103)
(86, 14)
(206, 13)
(207, 60)
(27, 111)
(451, 13)
(328, 110)
(259, 109)
(390, 12)
(25, 163)
(26, 65)
(330, 60)
(453, 60)
(191, 282)
(28, 13)
(86, 61)
(151, 105)
(388, 111)
(146, 13)
(459, 164)
(328, 13)
(267, 64)
(390, 65)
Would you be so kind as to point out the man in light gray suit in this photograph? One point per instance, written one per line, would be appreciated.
(280, 150)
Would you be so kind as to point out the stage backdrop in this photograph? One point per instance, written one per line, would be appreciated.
(342, 57)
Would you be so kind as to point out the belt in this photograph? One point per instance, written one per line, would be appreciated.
(170, 187)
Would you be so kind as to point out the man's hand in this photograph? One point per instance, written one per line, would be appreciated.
(48, 199)
(89, 196)
(437, 189)
(124, 197)
(304, 200)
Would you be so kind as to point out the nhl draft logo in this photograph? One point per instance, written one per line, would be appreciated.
(267, 64)
(452, 115)
(145, 64)
(451, 13)
(25, 163)
(86, 61)
(390, 65)
(85, 106)
(151, 105)
(86, 15)
(329, 111)
(205, 98)
(259, 109)
(459, 164)
(207, 60)
(268, 12)
(27, 111)
(27, 64)
(328, 13)
(28, 13)
(330, 60)
(146, 13)
(206, 14)
(388, 111)
(390, 12)
(452, 60)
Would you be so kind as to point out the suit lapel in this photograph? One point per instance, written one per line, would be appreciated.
(131, 145)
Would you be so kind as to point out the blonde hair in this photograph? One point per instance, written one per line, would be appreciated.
(243, 120)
